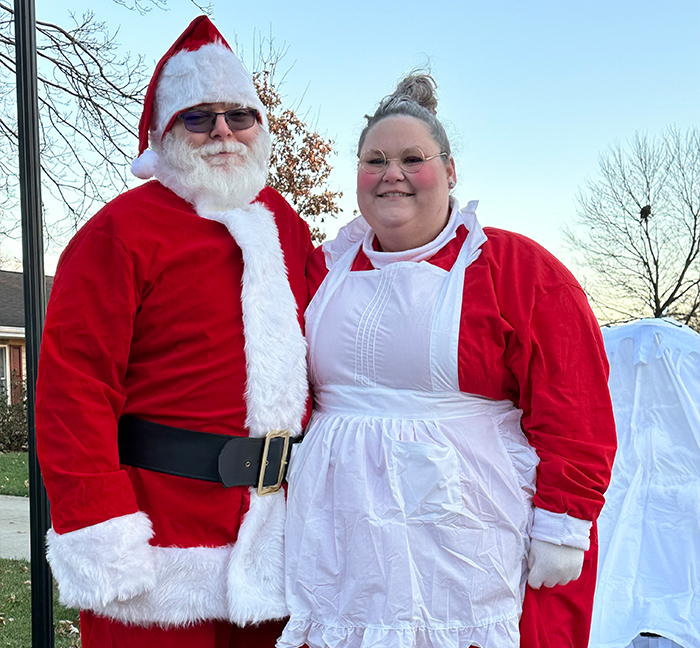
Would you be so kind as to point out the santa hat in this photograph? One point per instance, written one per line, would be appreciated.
(199, 68)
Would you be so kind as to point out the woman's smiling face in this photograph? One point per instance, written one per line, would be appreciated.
(405, 210)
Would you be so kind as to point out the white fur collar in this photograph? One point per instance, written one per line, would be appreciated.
(275, 347)
(276, 393)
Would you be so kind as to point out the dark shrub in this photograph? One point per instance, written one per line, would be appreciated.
(13, 418)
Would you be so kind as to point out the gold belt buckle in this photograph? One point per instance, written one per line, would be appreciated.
(273, 434)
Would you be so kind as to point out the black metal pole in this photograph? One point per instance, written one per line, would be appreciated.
(34, 304)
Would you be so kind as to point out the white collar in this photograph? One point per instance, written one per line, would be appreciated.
(382, 259)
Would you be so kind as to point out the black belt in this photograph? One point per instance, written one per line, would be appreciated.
(231, 460)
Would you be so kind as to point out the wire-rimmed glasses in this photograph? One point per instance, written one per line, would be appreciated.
(410, 160)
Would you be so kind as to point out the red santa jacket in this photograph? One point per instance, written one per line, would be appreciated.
(146, 318)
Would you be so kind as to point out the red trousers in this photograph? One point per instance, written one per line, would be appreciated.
(98, 632)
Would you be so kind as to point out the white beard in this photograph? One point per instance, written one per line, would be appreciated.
(214, 184)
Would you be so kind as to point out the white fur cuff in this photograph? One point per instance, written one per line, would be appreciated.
(105, 562)
(191, 588)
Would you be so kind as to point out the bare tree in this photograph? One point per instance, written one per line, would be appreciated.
(90, 101)
(638, 229)
(144, 6)
(9, 262)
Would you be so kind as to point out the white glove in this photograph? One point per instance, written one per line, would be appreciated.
(551, 564)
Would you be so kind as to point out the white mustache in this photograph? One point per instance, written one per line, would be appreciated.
(210, 183)
(222, 147)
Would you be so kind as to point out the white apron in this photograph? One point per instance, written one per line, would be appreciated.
(410, 502)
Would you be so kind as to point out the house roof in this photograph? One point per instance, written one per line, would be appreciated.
(12, 298)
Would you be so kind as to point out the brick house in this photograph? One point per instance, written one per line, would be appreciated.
(13, 359)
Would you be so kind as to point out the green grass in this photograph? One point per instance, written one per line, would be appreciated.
(14, 475)
(15, 610)
(15, 587)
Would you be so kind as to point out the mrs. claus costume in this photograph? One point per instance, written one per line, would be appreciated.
(188, 320)
(450, 381)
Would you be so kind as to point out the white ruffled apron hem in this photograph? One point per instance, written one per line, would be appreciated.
(308, 632)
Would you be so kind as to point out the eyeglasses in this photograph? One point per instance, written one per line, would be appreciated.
(203, 121)
(411, 160)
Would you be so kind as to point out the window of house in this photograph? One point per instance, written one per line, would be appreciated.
(4, 386)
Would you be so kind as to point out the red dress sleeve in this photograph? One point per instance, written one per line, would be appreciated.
(562, 373)
(528, 335)
(316, 270)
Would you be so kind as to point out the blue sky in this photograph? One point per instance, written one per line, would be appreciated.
(530, 92)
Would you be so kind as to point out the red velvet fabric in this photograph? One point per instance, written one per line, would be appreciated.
(98, 632)
(145, 319)
(560, 617)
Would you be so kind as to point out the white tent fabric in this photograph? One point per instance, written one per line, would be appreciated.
(649, 530)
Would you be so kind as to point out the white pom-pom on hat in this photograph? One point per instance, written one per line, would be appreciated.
(145, 165)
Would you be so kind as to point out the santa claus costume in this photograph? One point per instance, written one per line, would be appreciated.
(172, 313)
(460, 409)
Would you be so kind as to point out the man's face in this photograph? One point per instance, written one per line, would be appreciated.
(216, 170)
(219, 133)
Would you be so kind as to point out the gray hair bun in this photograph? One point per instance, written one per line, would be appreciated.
(416, 87)
(414, 97)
